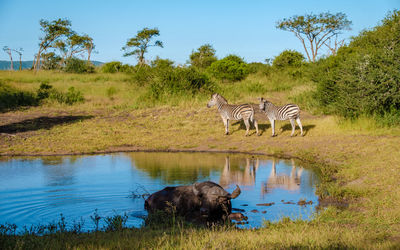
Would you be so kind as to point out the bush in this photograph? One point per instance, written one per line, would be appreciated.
(114, 67)
(177, 81)
(364, 77)
(288, 58)
(11, 97)
(75, 65)
(203, 57)
(46, 91)
(231, 68)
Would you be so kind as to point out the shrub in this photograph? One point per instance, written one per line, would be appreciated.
(75, 65)
(11, 97)
(364, 77)
(159, 63)
(203, 57)
(115, 66)
(231, 68)
(288, 58)
(177, 81)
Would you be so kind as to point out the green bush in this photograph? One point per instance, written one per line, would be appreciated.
(231, 68)
(288, 58)
(75, 65)
(11, 97)
(143, 74)
(159, 63)
(46, 91)
(177, 81)
(364, 77)
(115, 66)
(203, 57)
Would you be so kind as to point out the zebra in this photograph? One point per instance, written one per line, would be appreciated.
(287, 112)
(233, 112)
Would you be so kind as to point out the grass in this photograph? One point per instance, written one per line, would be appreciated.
(359, 160)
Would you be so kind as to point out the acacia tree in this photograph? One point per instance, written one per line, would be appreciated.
(203, 57)
(53, 32)
(315, 30)
(139, 44)
(9, 52)
(19, 52)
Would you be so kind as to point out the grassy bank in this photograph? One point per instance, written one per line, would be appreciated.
(360, 156)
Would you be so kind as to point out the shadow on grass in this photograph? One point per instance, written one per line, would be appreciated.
(262, 127)
(43, 122)
(306, 128)
(265, 126)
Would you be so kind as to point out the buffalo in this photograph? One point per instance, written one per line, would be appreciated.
(204, 201)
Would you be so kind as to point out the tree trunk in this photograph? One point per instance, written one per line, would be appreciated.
(20, 62)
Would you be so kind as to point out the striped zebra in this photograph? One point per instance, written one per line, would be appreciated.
(233, 112)
(287, 112)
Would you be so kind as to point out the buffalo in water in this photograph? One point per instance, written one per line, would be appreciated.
(204, 201)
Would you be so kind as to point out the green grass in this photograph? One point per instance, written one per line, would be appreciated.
(359, 160)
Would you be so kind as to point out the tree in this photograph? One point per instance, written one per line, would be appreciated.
(53, 31)
(315, 30)
(9, 52)
(19, 52)
(203, 57)
(337, 44)
(139, 44)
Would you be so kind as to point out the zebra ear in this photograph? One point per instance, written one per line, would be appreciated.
(261, 99)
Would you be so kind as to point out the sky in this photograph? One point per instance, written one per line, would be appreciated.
(245, 28)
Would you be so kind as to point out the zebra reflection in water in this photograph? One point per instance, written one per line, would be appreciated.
(242, 178)
(283, 181)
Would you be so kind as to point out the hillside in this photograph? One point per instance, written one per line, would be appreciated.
(5, 65)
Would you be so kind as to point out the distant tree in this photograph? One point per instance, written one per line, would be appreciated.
(53, 32)
(139, 44)
(89, 46)
(315, 30)
(162, 63)
(19, 52)
(9, 52)
(78, 44)
(203, 57)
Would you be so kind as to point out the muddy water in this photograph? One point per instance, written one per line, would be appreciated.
(37, 190)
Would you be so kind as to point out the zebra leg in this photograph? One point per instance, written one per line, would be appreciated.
(301, 127)
(272, 126)
(293, 126)
(256, 125)
(226, 124)
(246, 122)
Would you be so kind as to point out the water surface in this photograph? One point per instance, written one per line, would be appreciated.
(37, 190)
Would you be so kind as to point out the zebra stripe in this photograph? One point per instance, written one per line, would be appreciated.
(233, 112)
(287, 112)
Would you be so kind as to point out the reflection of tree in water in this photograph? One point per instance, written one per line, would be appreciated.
(233, 173)
(59, 171)
(173, 168)
(284, 181)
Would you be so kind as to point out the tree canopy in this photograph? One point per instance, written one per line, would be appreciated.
(203, 57)
(315, 30)
(138, 45)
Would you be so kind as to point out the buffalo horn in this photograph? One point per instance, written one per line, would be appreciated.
(235, 192)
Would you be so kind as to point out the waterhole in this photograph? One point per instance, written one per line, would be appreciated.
(36, 191)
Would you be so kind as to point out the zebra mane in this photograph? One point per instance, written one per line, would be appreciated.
(220, 97)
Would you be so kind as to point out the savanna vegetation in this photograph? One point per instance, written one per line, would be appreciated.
(350, 111)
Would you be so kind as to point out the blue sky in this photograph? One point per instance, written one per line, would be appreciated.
(245, 28)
